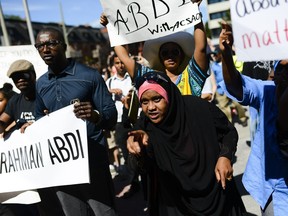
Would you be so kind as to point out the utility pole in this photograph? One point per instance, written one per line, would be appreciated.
(4, 30)
(68, 53)
(28, 21)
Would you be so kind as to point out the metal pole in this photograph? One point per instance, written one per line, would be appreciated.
(64, 31)
(4, 30)
(28, 21)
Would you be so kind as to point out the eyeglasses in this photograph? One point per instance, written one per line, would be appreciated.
(51, 44)
(166, 52)
(20, 75)
(151, 77)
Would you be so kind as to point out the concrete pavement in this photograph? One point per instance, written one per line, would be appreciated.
(242, 154)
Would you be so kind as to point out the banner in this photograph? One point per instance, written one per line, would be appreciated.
(260, 29)
(52, 152)
(132, 21)
(9, 54)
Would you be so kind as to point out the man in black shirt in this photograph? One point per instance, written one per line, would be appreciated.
(20, 108)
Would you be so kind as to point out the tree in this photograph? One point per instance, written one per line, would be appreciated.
(13, 17)
(208, 31)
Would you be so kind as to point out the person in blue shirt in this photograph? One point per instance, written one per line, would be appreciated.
(221, 99)
(69, 82)
(266, 173)
(257, 70)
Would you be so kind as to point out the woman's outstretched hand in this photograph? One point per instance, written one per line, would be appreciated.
(137, 139)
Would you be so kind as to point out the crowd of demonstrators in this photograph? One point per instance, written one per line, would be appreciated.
(189, 173)
(6, 92)
(136, 54)
(225, 104)
(209, 89)
(119, 85)
(262, 70)
(210, 85)
(67, 82)
(266, 173)
(110, 69)
(18, 111)
(184, 171)
(181, 56)
(135, 178)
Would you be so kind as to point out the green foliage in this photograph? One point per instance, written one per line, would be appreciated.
(227, 17)
(208, 31)
(12, 17)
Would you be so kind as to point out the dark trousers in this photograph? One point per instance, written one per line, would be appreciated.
(121, 135)
(95, 198)
(18, 210)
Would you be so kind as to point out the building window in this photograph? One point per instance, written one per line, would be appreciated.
(219, 15)
(215, 32)
(215, 1)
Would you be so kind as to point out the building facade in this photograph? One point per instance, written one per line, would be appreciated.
(84, 42)
(217, 11)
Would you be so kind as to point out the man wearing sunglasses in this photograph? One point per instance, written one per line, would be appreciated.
(18, 111)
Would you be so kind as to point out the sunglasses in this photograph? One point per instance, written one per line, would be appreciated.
(151, 77)
(166, 52)
(20, 75)
(51, 44)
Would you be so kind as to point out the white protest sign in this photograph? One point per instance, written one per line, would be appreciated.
(52, 152)
(132, 21)
(9, 54)
(260, 29)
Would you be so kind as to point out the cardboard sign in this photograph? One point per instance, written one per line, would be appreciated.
(52, 152)
(132, 21)
(260, 29)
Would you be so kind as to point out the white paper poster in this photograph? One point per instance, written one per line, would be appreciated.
(52, 152)
(9, 54)
(132, 21)
(260, 29)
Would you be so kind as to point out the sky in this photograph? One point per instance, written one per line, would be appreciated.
(75, 12)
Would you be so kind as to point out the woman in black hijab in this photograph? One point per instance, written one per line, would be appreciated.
(187, 145)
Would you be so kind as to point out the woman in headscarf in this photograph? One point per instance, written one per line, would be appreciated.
(187, 145)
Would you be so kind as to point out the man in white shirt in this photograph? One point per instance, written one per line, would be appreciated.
(119, 86)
